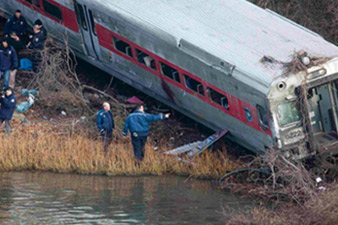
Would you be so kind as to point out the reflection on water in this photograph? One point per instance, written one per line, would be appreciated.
(47, 198)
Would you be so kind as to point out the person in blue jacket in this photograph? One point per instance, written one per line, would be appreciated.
(105, 123)
(138, 125)
(37, 39)
(40, 25)
(8, 103)
(18, 24)
(8, 61)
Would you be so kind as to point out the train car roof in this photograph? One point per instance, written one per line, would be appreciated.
(235, 31)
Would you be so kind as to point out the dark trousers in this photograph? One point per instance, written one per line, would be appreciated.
(106, 139)
(36, 59)
(138, 145)
(7, 125)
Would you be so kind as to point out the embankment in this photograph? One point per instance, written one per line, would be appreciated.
(42, 148)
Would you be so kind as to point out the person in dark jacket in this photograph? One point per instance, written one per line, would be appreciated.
(8, 103)
(18, 24)
(37, 40)
(138, 125)
(39, 23)
(14, 40)
(105, 123)
(8, 61)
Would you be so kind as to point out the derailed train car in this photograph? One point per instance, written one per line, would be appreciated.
(221, 63)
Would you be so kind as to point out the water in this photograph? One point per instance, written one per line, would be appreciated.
(48, 198)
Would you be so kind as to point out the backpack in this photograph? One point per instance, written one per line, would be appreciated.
(25, 64)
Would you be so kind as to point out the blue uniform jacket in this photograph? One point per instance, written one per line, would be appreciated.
(19, 26)
(105, 120)
(139, 122)
(8, 58)
(7, 107)
(37, 41)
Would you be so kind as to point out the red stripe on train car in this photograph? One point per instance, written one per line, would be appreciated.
(68, 15)
(237, 106)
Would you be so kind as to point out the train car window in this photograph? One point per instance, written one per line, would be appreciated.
(248, 114)
(218, 98)
(145, 59)
(34, 2)
(82, 17)
(91, 18)
(170, 72)
(194, 85)
(52, 10)
(122, 46)
(263, 116)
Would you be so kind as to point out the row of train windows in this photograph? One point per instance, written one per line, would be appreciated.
(170, 72)
(190, 83)
(49, 8)
(166, 70)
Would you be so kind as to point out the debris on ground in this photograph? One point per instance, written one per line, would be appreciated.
(134, 100)
(26, 92)
(24, 106)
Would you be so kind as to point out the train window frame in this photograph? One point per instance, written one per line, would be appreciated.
(35, 3)
(221, 99)
(145, 59)
(92, 22)
(263, 116)
(82, 16)
(123, 49)
(175, 76)
(52, 10)
(293, 107)
(191, 84)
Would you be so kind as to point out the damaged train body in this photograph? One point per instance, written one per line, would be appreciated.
(226, 64)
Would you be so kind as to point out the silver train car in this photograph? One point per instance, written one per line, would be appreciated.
(218, 62)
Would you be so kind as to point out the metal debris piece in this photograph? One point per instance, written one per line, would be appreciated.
(198, 147)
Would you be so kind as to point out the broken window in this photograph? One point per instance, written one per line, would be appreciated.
(170, 72)
(194, 85)
(145, 59)
(218, 98)
(263, 116)
(122, 46)
(288, 113)
(52, 10)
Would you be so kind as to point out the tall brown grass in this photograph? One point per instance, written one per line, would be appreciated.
(48, 151)
(322, 210)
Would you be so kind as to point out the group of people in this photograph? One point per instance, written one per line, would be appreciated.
(137, 123)
(16, 38)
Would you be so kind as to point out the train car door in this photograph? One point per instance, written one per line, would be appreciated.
(87, 26)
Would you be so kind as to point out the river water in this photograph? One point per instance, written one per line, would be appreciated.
(48, 198)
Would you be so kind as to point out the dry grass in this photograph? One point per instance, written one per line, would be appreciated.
(322, 210)
(44, 149)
